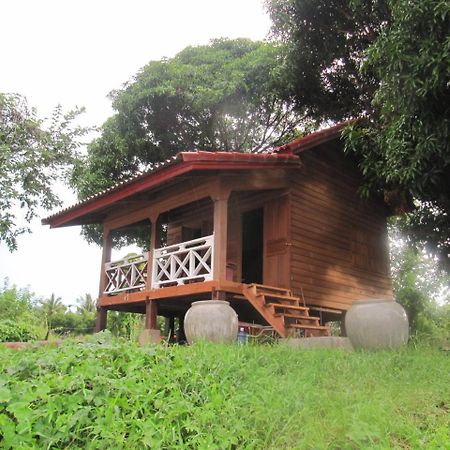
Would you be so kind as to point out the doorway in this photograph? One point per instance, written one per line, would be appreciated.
(252, 246)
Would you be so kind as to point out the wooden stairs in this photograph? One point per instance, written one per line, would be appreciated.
(283, 311)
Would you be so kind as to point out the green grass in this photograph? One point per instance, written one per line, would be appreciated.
(115, 395)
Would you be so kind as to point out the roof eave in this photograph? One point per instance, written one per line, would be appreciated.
(185, 164)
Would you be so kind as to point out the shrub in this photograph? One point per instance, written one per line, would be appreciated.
(11, 331)
(69, 323)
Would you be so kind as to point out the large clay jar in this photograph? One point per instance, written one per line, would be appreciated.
(211, 320)
(376, 324)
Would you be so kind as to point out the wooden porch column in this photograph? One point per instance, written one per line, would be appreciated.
(151, 312)
(155, 235)
(101, 320)
(106, 257)
(220, 235)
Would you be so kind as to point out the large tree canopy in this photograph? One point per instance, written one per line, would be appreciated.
(33, 154)
(217, 97)
(405, 144)
(324, 48)
(387, 61)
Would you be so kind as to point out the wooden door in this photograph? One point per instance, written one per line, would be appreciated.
(277, 244)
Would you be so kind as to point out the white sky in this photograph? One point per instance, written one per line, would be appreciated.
(74, 53)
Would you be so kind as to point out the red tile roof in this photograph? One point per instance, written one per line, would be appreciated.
(159, 173)
(312, 140)
(238, 156)
(183, 162)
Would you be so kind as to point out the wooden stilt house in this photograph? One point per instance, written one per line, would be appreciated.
(282, 235)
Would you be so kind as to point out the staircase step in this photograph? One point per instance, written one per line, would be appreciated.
(297, 316)
(264, 287)
(276, 322)
(286, 315)
(288, 298)
(308, 327)
(284, 306)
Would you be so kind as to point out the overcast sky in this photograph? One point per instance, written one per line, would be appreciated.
(74, 53)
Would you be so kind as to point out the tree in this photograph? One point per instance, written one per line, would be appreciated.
(404, 146)
(69, 323)
(388, 62)
(15, 303)
(33, 155)
(420, 286)
(18, 321)
(86, 305)
(217, 97)
(51, 307)
(324, 44)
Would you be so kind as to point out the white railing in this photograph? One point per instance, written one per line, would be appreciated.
(127, 274)
(183, 263)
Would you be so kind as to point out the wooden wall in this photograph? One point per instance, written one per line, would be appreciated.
(195, 215)
(320, 238)
(339, 244)
(200, 215)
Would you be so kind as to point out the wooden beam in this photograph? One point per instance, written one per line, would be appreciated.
(151, 313)
(155, 238)
(256, 180)
(220, 235)
(218, 295)
(171, 198)
(173, 292)
(101, 320)
(106, 257)
(196, 189)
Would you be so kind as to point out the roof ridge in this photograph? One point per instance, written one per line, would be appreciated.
(312, 139)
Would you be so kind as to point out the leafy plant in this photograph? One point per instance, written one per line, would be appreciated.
(107, 393)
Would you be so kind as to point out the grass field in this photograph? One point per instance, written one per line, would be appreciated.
(114, 395)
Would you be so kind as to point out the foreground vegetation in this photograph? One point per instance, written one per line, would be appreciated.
(108, 393)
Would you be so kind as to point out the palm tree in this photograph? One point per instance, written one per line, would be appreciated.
(50, 307)
(86, 305)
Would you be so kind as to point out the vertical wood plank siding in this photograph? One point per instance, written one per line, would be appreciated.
(339, 242)
(195, 215)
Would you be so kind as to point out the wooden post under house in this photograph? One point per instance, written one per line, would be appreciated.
(101, 320)
(106, 257)
(151, 313)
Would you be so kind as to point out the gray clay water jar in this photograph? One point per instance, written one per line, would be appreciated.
(377, 324)
(211, 320)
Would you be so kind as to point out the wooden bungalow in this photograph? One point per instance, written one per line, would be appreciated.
(282, 235)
